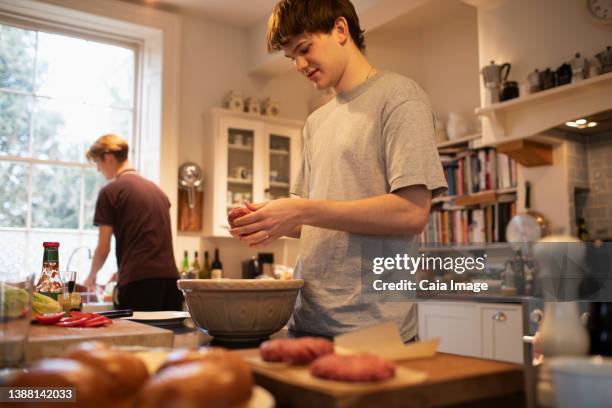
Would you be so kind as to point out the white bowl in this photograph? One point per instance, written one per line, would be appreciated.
(240, 311)
(582, 381)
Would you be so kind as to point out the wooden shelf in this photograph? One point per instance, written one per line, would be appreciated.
(246, 182)
(482, 197)
(240, 148)
(279, 184)
(535, 113)
(460, 141)
(495, 246)
(279, 152)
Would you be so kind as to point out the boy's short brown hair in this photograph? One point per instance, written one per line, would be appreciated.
(109, 144)
(295, 17)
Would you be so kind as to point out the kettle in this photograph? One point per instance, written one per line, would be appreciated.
(492, 74)
(492, 77)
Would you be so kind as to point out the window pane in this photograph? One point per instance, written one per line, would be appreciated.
(13, 194)
(112, 75)
(93, 183)
(56, 192)
(110, 266)
(84, 71)
(17, 51)
(61, 70)
(59, 129)
(108, 120)
(15, 113)
(14, 257)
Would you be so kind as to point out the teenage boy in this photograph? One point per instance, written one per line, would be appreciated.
(369, 170)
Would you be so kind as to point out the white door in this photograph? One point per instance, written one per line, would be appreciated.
(502, 332)
(457, 324)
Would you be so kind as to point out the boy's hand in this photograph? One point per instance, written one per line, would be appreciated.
(268, 221)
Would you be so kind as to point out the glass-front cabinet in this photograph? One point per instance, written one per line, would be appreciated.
(254, 158)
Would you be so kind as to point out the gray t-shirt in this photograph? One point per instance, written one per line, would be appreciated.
(371, 140)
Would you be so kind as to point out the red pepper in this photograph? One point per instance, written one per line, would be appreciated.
(71, 321)
(97, 322)
(49, 318)
(81, 314)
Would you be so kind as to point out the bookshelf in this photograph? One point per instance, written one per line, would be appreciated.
(481, 197)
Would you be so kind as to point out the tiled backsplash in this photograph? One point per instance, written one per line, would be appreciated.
(590, 167)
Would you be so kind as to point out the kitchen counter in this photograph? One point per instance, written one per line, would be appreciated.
(451, 380)
(52, 341)
(475, 297)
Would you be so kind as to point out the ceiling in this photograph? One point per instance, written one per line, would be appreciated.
(430, 12)
(237, 13)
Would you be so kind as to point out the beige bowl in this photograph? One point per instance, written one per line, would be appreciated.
(240, 311)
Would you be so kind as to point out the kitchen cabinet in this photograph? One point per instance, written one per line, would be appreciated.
(487, 330)
(252, 158)
(502, 332)
(455, 323)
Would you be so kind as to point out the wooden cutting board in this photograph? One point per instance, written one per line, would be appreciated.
(445, 379)
(52, 341)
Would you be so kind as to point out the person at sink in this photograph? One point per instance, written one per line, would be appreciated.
(137, 213)
(369, 170)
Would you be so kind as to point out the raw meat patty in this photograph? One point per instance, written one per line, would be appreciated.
(352, 368)
(295, 351)
(237, 213)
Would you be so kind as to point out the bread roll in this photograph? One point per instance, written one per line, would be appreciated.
(91, 388)
(126, 371)
(208, 377)
(196, 384)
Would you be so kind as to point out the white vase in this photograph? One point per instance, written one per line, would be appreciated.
(457, 126)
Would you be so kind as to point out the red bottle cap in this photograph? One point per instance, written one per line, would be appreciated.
(51, 244)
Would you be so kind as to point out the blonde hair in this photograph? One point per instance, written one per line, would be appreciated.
(111, 144)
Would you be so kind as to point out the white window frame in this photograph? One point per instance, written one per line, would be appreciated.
(157, 35)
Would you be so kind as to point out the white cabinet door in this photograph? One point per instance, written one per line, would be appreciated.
(251, 158)
(502, 331)
(283, 157)
(457, 324)
(238, 175)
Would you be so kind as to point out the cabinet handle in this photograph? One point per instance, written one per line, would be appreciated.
(536, 316)
(500, 317)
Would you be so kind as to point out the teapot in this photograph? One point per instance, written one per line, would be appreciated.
(548, 79)
(605, 59)
(510, 90)
(564, 74)
(492, 74)
(534, 81)
(579, 68)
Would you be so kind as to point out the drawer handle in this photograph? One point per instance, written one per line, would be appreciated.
(500, 317)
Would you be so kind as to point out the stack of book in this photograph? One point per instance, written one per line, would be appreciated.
(471, 172)
(469, 225)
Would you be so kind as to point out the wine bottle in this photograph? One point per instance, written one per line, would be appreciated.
(195, 266)
(185, 269)
(216, 267)
(205, 272)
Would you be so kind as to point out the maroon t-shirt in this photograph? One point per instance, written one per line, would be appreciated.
(139, 213)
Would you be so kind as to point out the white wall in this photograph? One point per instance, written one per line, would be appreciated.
(441, 55)
(214, 61)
